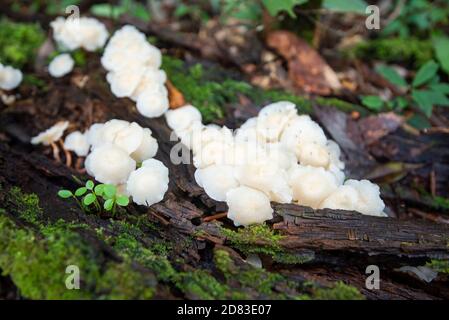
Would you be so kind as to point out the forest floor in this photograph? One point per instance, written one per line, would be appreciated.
(179, 248)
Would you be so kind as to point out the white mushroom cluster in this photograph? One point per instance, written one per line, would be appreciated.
(278, 156)
(51, 135)
(133, 66)
(83, 32)
(10, 78)
(117, 148)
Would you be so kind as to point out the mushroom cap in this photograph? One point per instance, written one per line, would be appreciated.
(94, 134)
(313, 154)
(311, 185)
(129, 138)
(77, 142)
(248, 206)
(217, 180)
(128, 46)
(335, 154)
(109, 164)
(279, 154)
(202, 135)
(83, 32)
(300, 130)
(124, 82)
(10, 78)
(182, 118)
(51, 135)
(369, 201)
(273, 118)
(266, 176)
(215, 152)
(344, 198)
(153, 103)
(147, 149)
(61, 65)
(151, 77)
(148, 184)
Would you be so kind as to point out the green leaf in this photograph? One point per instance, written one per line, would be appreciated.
(391, 75)
(80, 191)
(109, 190)
(425, 73)
(89, 199)
(122, 201)
(357, 6)
(373, 102)
(65, 194)
(108, 204)
(440, 87)
(90, 185)
(276, 6)
(400, 103)
(441, 46)
(419, 122)
(99, 190)
(423, 99)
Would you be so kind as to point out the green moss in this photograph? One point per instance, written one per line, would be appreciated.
(19, 42)
(261, 239)
(209, 93)
(200, 284)
(224, 262)
(27, 205)
(439, 265)
(394, 50)
(339, 291)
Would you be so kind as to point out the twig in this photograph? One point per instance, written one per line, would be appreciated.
(214, 217)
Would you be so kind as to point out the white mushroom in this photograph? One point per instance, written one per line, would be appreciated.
(94, 134)
(82, 32)
(313, 154)
(51, 135)
(248, 206)
(129, 138)
(10, 78)
(148, 184)
(109, 164)
(147, 149)
(61, 65)
(273, 118)
(77, 142)
(369, 201)
(311, 185)
(182, 118)
(151, 77)
(267, 177)
(301, 130)
(124, 82)
(153, 103)
(217, 180)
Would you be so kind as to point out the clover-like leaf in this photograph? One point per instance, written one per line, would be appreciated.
(108, 204)
(99, 190)
(64, 194)
(109, 190)
(80, 191)
(90, 185)
(89, 199)
(122, 201)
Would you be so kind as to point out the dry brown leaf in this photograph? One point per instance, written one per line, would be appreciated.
(175, 96)
(307, 70)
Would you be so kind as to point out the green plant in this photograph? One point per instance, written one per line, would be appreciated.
(130, 7)
(90, 195)
(424, 92)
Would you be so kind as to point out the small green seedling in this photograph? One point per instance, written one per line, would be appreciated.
(91, 196)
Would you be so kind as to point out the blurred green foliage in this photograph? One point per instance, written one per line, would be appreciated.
(19, 42)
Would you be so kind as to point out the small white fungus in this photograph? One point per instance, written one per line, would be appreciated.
(10, 78)
(248, 206)
(51, 135)
(182, 118)
(109, 164)
(61, 65)
(147, 148)
(77, 142)
(148, 184)
(217, 180)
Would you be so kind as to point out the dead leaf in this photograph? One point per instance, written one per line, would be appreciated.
(175, 96)
(378, 126)
(307, 70)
